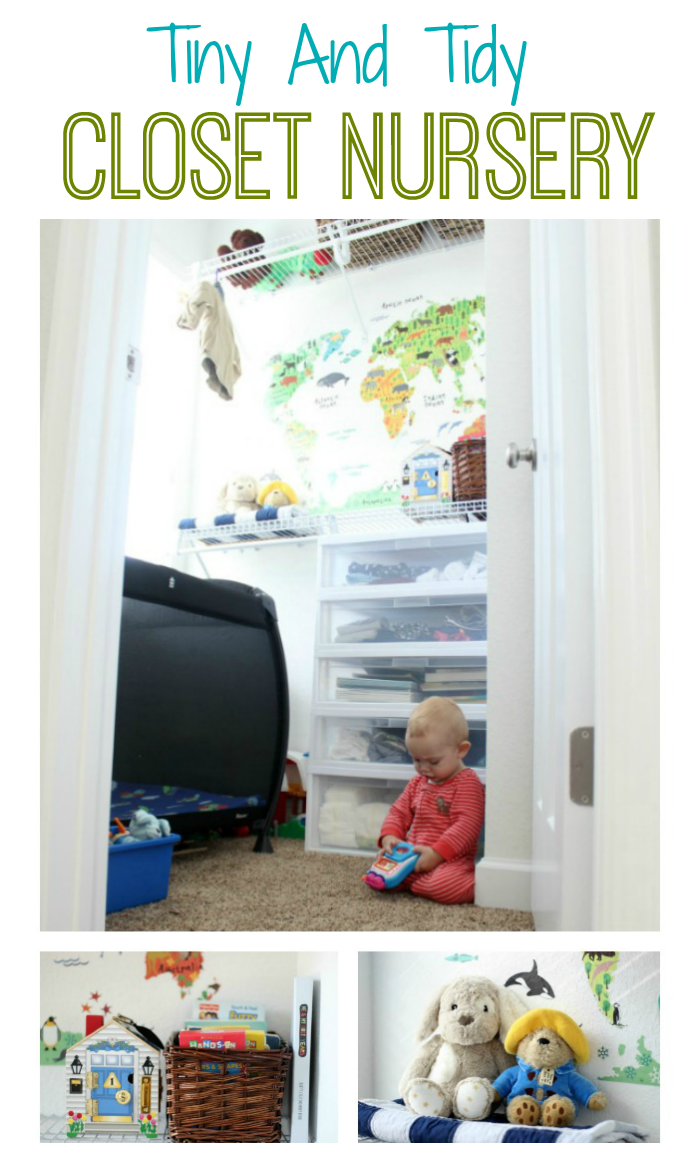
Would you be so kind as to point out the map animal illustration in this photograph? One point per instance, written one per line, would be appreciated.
(536, 984)
(353, 409)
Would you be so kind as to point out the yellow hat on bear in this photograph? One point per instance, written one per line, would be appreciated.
(548, 1020)
(277, 486)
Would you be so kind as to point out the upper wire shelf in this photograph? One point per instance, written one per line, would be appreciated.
(335, 248)
(389, 519)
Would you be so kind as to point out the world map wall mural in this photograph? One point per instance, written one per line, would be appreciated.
(352, 408)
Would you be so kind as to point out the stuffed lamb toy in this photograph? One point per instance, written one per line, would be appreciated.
(465, 1024)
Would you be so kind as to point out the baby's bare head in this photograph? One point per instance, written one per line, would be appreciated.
(440, 718)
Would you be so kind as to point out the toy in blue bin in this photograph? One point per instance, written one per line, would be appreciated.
(391, 868)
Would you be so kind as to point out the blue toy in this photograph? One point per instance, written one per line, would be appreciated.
(391, 868)
(143, 826)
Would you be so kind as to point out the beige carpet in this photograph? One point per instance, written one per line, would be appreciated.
(229, 887)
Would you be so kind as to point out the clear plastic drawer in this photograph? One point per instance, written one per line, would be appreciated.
(347, 814)
(402, 678)
(426, 620)
(449, 560)
(379, 742)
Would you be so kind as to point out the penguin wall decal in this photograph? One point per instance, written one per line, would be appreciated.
(50, 1034)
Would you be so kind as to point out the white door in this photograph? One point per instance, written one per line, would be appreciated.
(539, 845)
(573, 573)
(562, 827)
(596, 536)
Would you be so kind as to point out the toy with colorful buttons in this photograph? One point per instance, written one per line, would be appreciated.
(391, 868)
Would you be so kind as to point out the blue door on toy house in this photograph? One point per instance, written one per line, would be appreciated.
(115, 1087)
(426, 467)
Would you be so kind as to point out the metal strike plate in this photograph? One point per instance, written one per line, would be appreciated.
(581, 753)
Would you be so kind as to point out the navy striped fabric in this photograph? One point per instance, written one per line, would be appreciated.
(384, 1121)
(530, 1135)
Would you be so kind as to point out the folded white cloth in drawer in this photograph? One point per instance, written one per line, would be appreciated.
(350, 744)
(347, 795)
(336, 838)
(332, 814)
(368, 820)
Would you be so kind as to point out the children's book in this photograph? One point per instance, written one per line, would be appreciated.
(232, 1039)
(218, 1067)
(455, 672)
(215, 1025)
(302, 1014)
(216, 1040)
(226, 1011)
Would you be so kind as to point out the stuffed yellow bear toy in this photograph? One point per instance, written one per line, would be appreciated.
(545, 1086)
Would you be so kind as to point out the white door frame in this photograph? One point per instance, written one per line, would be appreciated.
(88, 404)
(610, 665)
(623, 323)
(563, 530)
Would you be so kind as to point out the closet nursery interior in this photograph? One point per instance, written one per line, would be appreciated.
(311, 430)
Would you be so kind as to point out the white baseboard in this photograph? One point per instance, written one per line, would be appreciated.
(503, 884)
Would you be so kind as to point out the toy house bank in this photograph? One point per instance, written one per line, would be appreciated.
(113, 1080)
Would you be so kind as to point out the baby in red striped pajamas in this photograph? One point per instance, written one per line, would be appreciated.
(441, 811)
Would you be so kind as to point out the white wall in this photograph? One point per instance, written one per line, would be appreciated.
(179, 242)
(402, 984)
(503, 876)
(68, 980)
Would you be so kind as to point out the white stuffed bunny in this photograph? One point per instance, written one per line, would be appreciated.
(466, 1024)
(239, 495)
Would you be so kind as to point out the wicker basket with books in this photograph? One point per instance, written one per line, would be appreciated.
(231, 1097)
(469, 469)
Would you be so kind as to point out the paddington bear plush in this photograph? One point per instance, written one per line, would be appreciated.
(545, 1086)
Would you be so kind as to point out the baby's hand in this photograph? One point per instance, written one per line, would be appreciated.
(428, 860)
(388, 842)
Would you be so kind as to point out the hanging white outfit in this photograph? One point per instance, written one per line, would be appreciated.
(220, 357)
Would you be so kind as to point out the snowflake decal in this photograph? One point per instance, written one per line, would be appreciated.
(655, 1075)
(630, 1072)
(603, 1051)
(645, 1058)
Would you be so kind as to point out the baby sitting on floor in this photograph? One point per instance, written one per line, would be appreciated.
(441, 811)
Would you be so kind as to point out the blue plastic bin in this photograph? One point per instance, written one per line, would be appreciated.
(139, 873)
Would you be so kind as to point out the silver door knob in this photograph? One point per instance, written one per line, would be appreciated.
(514, 455)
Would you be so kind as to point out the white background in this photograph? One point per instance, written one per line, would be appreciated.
(60, 59)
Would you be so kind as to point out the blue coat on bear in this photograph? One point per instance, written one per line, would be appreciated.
(523, 1079)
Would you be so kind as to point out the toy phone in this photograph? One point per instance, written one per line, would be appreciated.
(391, 868)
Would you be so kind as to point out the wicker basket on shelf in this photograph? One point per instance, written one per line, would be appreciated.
(450, 229)
(209, 1104)
(469, 469)
(377, 248)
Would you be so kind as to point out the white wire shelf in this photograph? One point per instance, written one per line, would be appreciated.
(336, 248)
(390, 520)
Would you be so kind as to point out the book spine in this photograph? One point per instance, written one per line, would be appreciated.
(302, 1018)
(230, 1040)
